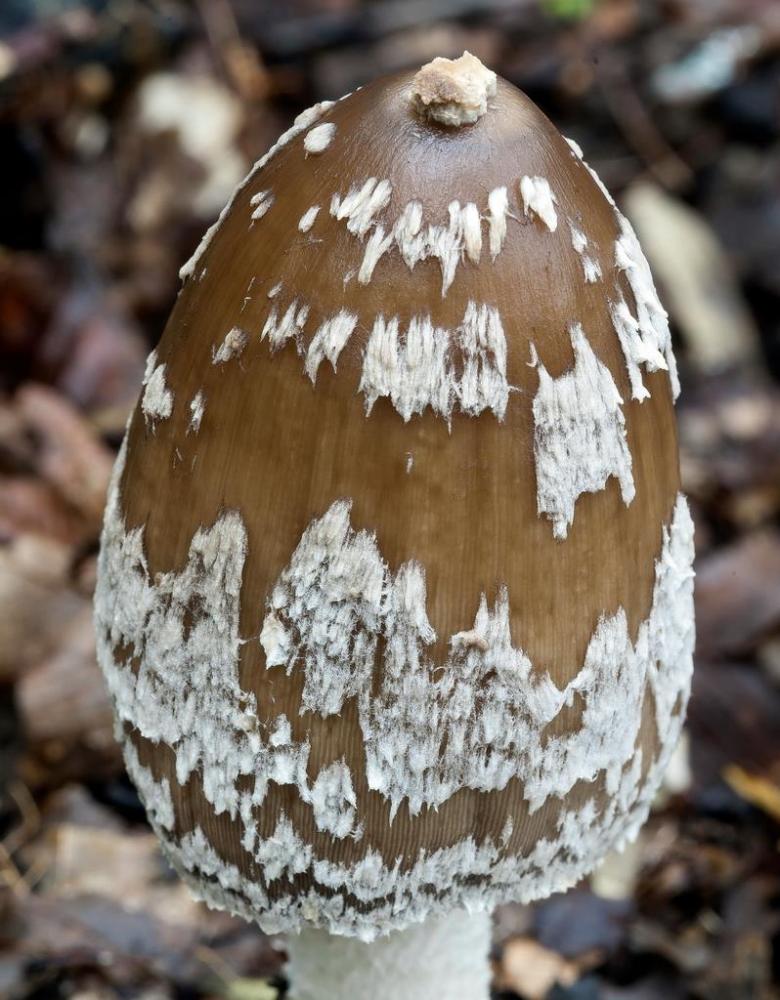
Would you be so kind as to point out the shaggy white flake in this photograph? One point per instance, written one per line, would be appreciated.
(260, 203)
(498, 208)
(308, 219)
(319, 138)
(448, 243)
(304, 121)
(361, 205)
(483, 384)
(413, 371)
(429, 366)
(334, 802)
(472, 232)
(539, 200)
(289, 326)
(590, 266)
(157, 398)
(197, 410)
(283, 853)
(579, 435)
(231, 347)
(329, 341)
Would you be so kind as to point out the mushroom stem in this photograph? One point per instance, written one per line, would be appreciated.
(443, 957)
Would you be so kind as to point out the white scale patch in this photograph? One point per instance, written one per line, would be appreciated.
(231, 347)
(415, 241)
(360, 205)
(643, 331)
(590, 266)
(334, 801)
(329, 341)
(170, 647)
(418, 369)
(498, 207)
(197, 410)
(319, 138)
(579, 435)
(260, 203)
(157, 398)
(308, 219)
(287, 326)
(539, 200)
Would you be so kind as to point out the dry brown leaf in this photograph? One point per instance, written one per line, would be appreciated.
(532, 970)
(755, 789)
(36, 601)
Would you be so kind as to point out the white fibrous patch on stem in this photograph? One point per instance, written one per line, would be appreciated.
(260, 203)
(274, 290)
(361, 205)
(539, 200)
(197, 410)
(231, 347)
(289, 325)
(303, 122)
(429, 366)
(579, 435)
(308, 219)
(329, 341)
(157, 398)
(590, 266)
(319, 138)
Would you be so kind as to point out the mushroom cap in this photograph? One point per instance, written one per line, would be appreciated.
(394, 598)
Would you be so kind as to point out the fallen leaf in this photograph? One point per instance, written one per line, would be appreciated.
(532, 970)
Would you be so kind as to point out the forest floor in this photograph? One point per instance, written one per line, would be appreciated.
(108, 183)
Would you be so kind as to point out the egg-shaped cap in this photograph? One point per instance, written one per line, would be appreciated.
(394, 598)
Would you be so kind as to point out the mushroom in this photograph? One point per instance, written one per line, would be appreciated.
(395, 588)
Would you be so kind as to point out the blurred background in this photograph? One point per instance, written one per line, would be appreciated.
(124, 127)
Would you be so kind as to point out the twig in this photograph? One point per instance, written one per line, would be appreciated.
(640, 131)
